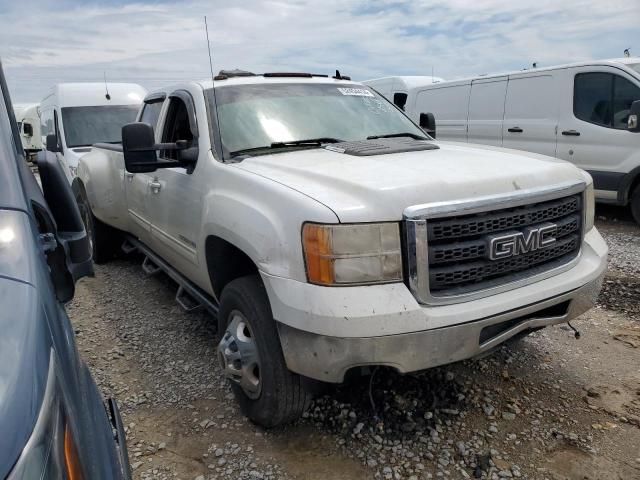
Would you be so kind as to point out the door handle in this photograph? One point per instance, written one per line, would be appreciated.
(515, 130)
(571, 133)
(155, 186)
(129, 175)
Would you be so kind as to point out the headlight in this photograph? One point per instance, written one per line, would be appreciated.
(51, 451)
(589, 207)
(352, 254)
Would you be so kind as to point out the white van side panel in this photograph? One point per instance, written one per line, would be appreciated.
(486, 111)
(531, 113)
(449, 104)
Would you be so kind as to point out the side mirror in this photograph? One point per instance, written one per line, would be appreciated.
(633, 123)
(70, 260)
(52, 143)
(27, 129)
(139, 148)
(428, 123)
(400, 100)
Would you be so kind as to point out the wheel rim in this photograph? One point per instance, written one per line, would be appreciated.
(238, 355)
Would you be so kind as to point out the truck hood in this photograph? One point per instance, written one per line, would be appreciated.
(380, 187)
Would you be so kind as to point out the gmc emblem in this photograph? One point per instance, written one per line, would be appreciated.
(529, 240)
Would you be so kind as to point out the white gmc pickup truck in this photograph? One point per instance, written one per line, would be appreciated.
(327, 232)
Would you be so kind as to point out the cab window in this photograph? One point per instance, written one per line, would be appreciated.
(604, 99)
(151, 113)
(176, 126)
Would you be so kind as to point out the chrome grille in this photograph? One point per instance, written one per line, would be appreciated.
(451, 252)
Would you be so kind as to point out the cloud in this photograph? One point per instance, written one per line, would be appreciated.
(155, 43)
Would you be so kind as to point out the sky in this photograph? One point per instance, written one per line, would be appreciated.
(156, 43)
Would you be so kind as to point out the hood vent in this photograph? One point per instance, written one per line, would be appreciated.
(81, 150)
(381, 146)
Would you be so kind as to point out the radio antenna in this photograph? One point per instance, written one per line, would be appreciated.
(206, 29)
(217, 137)
(106, 88)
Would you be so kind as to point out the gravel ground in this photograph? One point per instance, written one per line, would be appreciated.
(546, 407)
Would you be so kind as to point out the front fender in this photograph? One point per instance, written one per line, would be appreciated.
(101, 173)
(263, 219)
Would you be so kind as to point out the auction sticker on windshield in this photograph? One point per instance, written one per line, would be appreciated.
(355, 92)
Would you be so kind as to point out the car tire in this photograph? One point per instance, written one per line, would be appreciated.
(635, 204)
(103, 239)
(279, 396)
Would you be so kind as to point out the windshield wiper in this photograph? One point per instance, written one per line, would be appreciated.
(396, 135)
(305, 142)
(308, 142)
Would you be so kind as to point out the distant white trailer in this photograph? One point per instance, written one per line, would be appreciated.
(29, 127)
(74, 116)
(397, 89)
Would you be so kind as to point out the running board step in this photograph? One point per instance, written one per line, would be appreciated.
(186, 301)
(149, 267)
(128, 247)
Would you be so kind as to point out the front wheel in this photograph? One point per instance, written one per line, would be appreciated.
(251, 357)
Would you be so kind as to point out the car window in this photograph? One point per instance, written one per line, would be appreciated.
(84, 126)
(46, 123)
(624, 94)
(255, 115)
(604, 99)
(592, 97)
(176, 126)
(151, 113)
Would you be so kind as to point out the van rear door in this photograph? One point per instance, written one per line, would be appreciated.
(531, 113)
(486, 111)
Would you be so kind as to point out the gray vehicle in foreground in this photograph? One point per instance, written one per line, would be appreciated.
(53, 421)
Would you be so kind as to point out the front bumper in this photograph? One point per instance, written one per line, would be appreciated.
(326, 331)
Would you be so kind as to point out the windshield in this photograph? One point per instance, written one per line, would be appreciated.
(88, 125)
(257, 115)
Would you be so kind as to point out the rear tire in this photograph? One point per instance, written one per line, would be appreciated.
(635, 204)
(279, 396)
(103, 239)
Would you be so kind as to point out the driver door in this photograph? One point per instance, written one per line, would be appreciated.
(175, 194)
(593, 133)
(136, 185)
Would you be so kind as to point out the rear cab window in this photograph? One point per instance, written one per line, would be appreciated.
(151, 112)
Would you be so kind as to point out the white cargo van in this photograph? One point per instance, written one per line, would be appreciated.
(575, 112)
(29, 127)
(74, 116)
(397, 89)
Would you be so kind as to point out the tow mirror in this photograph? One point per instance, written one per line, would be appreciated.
(27, 129)
(633, 123)
(52, 143)
(400, 100)
(138, 147)
(428, 123)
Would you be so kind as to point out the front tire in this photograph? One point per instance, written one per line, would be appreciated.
(635, 204)
(251, 356)
(103, 239)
